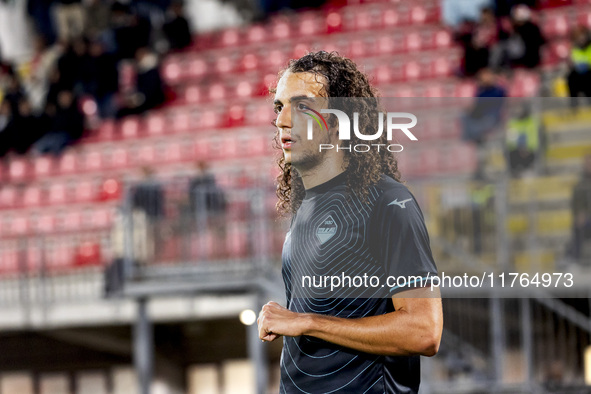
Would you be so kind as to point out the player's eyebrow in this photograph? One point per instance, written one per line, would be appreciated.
(294, 98)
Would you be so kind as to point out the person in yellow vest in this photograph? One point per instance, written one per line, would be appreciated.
(522, 141)
(579, 78)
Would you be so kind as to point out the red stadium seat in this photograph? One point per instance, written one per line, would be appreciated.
(45, 223)
(237, 241)
(58, 193)
(60, 256)
(9, 259)
(584, 17)
(92, 160)
(43, 166)
(249, 62)
(19, 169)
(256, 34)
(111, 190)
(119, 157)
(244, 89)
(155, 123)
(18, 224)
(88, 253)
(235, 117)
(85, 190)
(556, 24)
(225, 65)
(230, 38)
(334, 22)
(130, 127)
(70, 221)
(8, 197)
(145, 155)
(32, 196)
(309, 24)
(68, 163)
(280, 30)
(197, 68)
(217, 92)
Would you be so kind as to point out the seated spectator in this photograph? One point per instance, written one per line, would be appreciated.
(149, 89)
(504, 7)
(28, 127)
(102, 79)
(67, 125)
(69, 19)
(486, 113)
(130, 32)
(6, 134)
(477, 41)
(98, 18)
(522, 141)
(176, 28)
(484, 116)
(521, 43)
(71, 65)
(579, 78)
(581, 209)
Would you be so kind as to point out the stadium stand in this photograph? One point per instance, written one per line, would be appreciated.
(57, 213)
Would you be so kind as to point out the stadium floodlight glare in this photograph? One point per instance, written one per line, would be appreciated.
(248, 317)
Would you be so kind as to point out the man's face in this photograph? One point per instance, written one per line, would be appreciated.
(296, 96)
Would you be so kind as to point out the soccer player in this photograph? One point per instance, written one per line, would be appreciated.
(350, 216)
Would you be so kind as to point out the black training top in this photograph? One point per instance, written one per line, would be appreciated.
(336, 238)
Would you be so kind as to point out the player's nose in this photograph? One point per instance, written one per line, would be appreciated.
(284, 118)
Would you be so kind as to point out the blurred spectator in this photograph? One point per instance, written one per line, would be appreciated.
(102, 79)
(205, 192)
(579, 78)
(41, 66)
(6, 135)
(149, 88)
(485, 115)
(130, 32)
(521, 42)
(98, 19)
(477, 41)
(13, 91)
(70, 19)
(581, 209)
(40, 12)
(27, 127)
(67, 125)
(71, 65)
(455, 12)
(148, 196)
(522, 141)
(176, 28)
(504, 7)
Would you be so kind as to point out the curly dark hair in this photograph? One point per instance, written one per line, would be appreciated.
(343, 80)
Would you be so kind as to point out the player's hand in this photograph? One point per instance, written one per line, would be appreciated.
(275, 321)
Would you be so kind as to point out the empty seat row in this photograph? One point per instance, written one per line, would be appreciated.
(314, 23)
(75, 191)
(262, 59)
(66, 220)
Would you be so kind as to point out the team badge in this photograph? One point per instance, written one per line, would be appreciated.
(326, 230)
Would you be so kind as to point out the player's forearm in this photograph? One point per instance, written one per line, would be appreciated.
(398, 333)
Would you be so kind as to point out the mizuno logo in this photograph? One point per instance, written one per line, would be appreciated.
(401, 204)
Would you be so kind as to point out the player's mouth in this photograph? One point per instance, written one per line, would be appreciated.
(286, 142)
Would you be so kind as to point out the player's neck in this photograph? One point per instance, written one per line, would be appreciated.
(322, 173)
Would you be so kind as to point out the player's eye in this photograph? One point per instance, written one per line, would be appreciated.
(303, 107)
(277, 110)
